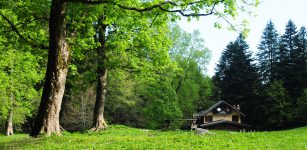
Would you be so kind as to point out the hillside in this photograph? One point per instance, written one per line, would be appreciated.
(121, 137)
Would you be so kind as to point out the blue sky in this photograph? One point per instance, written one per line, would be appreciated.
(279, 11)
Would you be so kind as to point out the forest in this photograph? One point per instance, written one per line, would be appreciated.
(79, 65)
(270, 86)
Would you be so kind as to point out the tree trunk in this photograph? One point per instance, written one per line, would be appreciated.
(98, 120)
(9, 123)
(47, 119)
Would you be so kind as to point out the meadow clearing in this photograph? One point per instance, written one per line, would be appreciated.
(122, 137)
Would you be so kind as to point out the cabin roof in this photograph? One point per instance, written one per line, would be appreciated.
(217, 104)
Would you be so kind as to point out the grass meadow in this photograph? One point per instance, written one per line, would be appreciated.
(122, 137)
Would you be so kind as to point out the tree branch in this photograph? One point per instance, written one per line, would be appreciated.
(14, 28)
(155, 6)
(225, 19)
(93, 2)
(182, 12)
(154, 19)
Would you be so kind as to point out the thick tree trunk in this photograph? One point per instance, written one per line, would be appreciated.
(47, 119)
(98, 120)
(9, 123)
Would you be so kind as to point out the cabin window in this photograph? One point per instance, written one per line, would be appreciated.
(208, 118)
(235, 118)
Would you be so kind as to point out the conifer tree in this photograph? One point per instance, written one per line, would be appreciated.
(302, 109)
(236, 76)
(286, 57)
(298, 64)
(277, 107)
(268, 53)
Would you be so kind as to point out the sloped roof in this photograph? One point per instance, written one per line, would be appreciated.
(217, 104)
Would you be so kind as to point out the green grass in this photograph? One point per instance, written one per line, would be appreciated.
(121, 137)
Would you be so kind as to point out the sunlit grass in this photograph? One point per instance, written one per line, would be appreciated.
(121, 137)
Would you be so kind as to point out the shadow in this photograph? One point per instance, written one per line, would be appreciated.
(21, 143)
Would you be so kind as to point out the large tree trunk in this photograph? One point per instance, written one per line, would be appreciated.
(98, 120)
(9, 123)
(47, 119)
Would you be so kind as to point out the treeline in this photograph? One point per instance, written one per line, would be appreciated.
(271, 88)
(129, 37)
(85, 64)
(143, 72)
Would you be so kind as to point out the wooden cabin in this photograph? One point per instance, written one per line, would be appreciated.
(221, 116)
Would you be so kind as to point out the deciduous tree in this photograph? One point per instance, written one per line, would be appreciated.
(19, 73)
(47, 120)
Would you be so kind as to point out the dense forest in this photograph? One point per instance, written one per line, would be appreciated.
(271, 86)
(80, 65)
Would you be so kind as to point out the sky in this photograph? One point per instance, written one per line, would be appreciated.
(279, 11)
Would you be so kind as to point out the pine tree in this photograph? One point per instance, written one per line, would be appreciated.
(236, 76)
(268, 53)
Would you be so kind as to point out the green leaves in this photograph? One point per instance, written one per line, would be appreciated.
(137, 41)
(19, 72)
(190, 54)
(161, 104)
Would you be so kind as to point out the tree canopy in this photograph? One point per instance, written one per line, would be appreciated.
(89, 43)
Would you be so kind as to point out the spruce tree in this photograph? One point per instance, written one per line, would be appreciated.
(236, 77)
(267, 55)
(298, 64)
(277, 110)
(286, 55)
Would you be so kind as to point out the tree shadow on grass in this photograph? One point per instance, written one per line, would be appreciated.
(22, 143)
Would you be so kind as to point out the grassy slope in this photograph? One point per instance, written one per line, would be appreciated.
(121, 137)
